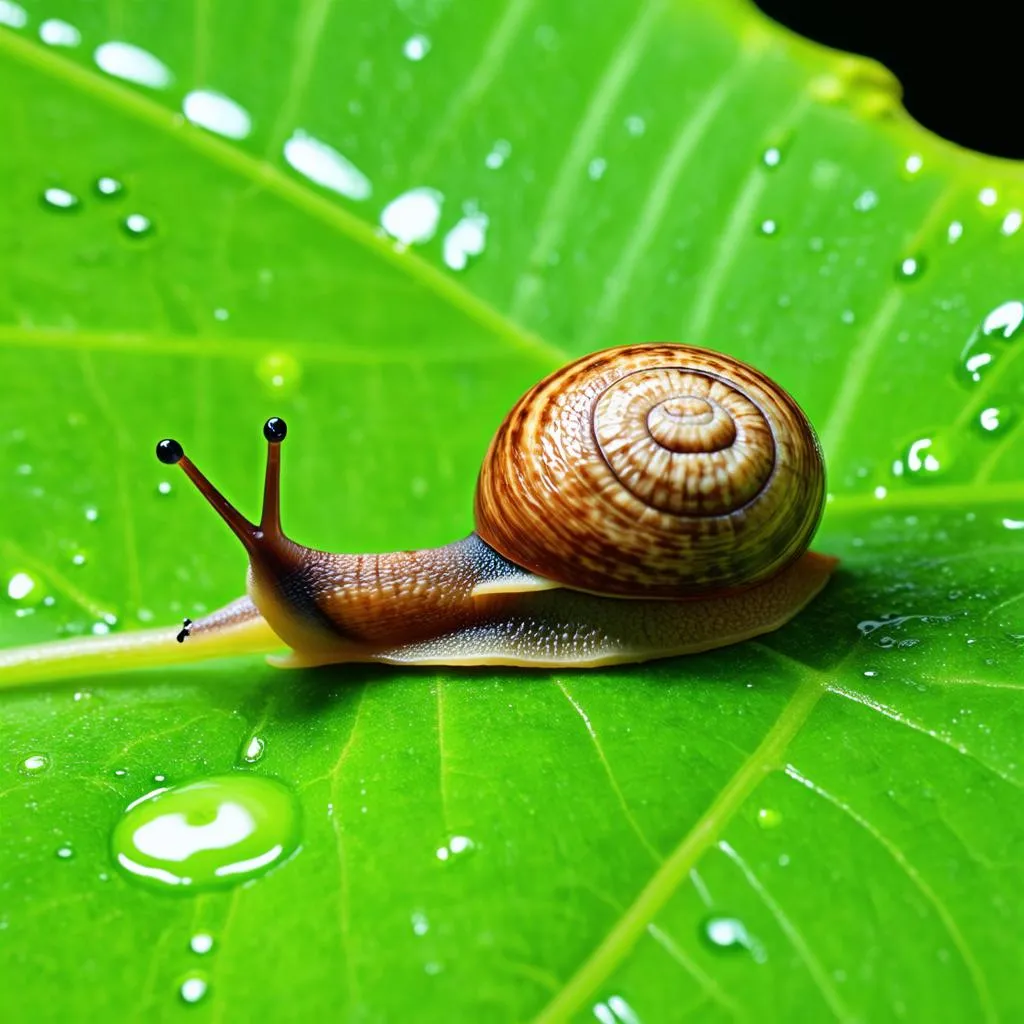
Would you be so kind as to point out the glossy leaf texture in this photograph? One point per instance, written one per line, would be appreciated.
(383, 222)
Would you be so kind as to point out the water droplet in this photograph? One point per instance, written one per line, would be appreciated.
(456, 845)
(133, 64)
(207, 834)
(201, 944)
(137, 225)
(194, 988)
(596, 168)
(954, 232)
(325, 166)
(768, 227)
(880, 492)
(913, 163)
(925, 458)
(867, 200)
(221, 314)
(217, 113)
(1013, 524)
(413, 216)
(847, 316)
(768, 818)
(615, 1011)
(635, 125)
(468, 238)
(416, 47)
(771, 157)
(60, 199)
(35, 763)
(65, 852)
(164, 487)
(500, 152)
(730, 933)
(254, 750)
(420, 924)
(1011, 223)
(994, 420)
(988, 197)
(910, 268)
(108, 187)
(12, 14)
(279, 372)
(55, 32)
(1005, 320)
(24, 588)
(79, 558)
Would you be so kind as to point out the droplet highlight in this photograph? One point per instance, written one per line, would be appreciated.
(137, 225)
(467, 239)
(55, 32)
(60, 199)
(133, 64)
(412, 217)
(207, 834)
(325, 166)
(217, 113)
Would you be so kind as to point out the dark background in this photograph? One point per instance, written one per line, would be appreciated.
(962, 72)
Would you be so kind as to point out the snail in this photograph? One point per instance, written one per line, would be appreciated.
(641, 502)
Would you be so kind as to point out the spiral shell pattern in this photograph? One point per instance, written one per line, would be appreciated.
(653, 471)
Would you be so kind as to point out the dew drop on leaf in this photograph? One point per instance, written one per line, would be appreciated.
(768, 818)
(193, 989)
(910, 268)
(201, 943)
(108, 188)
(279, 372)
(254, 750)
(729, 934)
(55, 32)
(60, 199)
(137, 225)
(207, 834)
(34, 764)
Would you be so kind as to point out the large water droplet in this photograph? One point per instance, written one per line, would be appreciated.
(254, 750)
(981, 352)
(201, 943)
(416, 47)
(325, 166)
(133, 64)
(995, 420)
(925, 458)
(413, 216)
(55, 32)
(730, 934)
(217, 113)
(1005, 320)
(137, 225)
(193, 988)
(468, 238)
(108, 188)
(34, 764)
(60, 199)
(24, 588)
(12, 14)
(207, 834)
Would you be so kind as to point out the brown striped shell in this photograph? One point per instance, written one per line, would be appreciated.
(653, 471)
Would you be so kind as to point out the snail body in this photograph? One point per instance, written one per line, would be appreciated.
(641, 502)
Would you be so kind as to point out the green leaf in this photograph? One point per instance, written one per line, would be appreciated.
(826, 823)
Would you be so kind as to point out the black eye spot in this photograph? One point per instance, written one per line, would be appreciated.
(275, 429)
(169, 452)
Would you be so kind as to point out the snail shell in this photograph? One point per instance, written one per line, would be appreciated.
(653, 471)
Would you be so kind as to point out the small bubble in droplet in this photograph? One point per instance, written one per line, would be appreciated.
(909, 268)
(138, 225)
(1011, 223)
(108, 187)
(193, 989)
(768, 818)
(35, 763)
(65, 852)
(254, 750)
(500, 152)
(279, 372)
(988, 197)
(596, 168)
(768, 227)
(60, 199)
(416, 47)
(867, 200)
(771, 157)
(635, 125)
(201, 943)
(954, 232)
